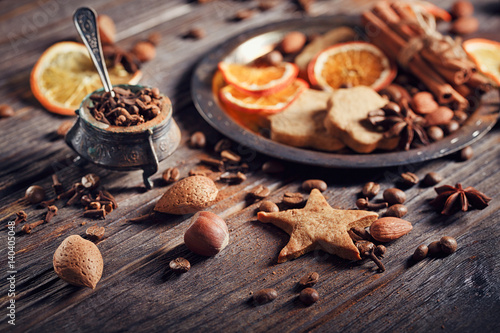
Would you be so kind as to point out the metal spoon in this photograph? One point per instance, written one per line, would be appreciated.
(85, 20)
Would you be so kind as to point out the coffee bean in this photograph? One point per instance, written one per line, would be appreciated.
(260, 192)
(273, 167)
(171, 175)
(435, 133)
(309, 296)
(180, 265)
(448, 244)
(264, 296)
(420, 252)
(310, 184)
(268, 206)
(233, 178)
(466, 153)
(309, 280)
(394, 196)
(409, 178)
(370, 189)
(244, 14)
(197, 140)
(228, 155)
(431, 179)
(196, 33)
(35, 194)
(434, 248)
(6, 111)
(222, 144)
(293, 199)
(397, 210)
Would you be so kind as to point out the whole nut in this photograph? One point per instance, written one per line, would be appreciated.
(435, 133)
(207, 235)
(397, 210)
(78, 262)
(6, 111)
(465, 25)
(431, 179)
(187, 196)
(370, 189)
(293, 199)
(293, 42)
(462, 8)
(409, 178)
(466, 153)
(420, 252)
(268, 206)
(107, 29)
(310, 184)
(452, 126)
(394, 196)
(448, 245)
(197, 140)
(264, 296)
(434, 248)
(180, 265)
(309, 296)
(35, 194)
(423, 102)
(144, 51)
(387, 229)
(442, 116)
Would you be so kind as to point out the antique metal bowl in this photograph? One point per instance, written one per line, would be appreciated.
(125, 148)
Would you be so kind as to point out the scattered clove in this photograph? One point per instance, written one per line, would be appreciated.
(21, 217)
(363, 203)
(56, 185)
(51, 212)
(95, 213)
(367, 250)
(27, 228)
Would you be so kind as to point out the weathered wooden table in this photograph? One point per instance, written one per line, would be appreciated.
(138, 292)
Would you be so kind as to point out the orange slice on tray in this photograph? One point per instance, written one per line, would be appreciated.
(486, 54)
(269, 104)
(260, 81)
(351, 64)
(64, 74)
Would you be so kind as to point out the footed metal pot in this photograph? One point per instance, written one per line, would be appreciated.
(125, 148)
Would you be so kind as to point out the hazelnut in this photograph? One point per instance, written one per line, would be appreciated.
(144, 51)
(207, 235)
(35, 194)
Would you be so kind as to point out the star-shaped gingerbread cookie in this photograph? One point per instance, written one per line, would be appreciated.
(318, 225)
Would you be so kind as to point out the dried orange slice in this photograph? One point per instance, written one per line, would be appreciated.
(486, 54)
(351, 64)
(269, 104)
(259, 81)
(64, 74)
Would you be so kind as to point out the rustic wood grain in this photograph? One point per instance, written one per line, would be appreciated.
(458, 293)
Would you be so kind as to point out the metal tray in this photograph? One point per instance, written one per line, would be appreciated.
(252, 44)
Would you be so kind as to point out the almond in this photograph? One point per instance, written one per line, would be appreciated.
(293, 42)
(187, 196)
(107, 29)
(442, 116)
(423, 102)
(78, 262)
(144, 51)
(465, 25)
(387, 229)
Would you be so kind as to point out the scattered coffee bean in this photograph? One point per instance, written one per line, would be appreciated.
(435, 133)
(228, 155)
(268, 206)
(310, 184)
(466, 153)
(292, 199)
(213, 162)
(222, 144)
(420, 252)
(144, 51)
(309, 296)
(196, 33)
(273, 167)
(244, 14)
(6, 111)
(35, 194)
(431, 179)
(200, 172)
(394, 196)
(359, 233)
(397, 210)
(448, 245)
(90, 181)
(197, 140)
(95, 233)
(180, 265)
(264, 296)
(409, 178)
(370, 189)
(233, 178)
(267, 4)
(259, 192)
(380, 250)
(434, 248)
(309, 280)
(171, 175)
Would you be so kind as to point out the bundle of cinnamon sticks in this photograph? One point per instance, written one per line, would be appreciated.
(407, 36)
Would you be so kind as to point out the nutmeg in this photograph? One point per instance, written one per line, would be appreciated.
(387, 229)
(207, 235)
(78, 262)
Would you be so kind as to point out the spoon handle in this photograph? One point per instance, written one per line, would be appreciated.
(85, 20)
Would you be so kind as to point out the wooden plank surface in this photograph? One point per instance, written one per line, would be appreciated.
(458, 293)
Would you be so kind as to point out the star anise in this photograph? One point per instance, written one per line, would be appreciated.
(399, 120)
(117, 55)
(452, 199)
